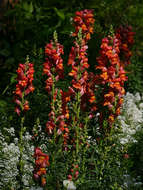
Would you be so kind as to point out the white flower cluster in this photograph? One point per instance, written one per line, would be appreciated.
(8, 167)
(131, 118)
(9, 158)
(69, 185)
(28, 158)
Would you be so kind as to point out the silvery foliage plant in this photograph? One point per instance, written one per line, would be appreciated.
(9, 157)
(131, 117)
(131, 121)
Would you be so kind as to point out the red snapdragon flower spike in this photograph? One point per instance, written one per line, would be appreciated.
(112, 76)
(84, 20)
(81, 82)
(53, 68)
(41, 162)
(126, 37)
(57, 123)
(53, 65)
(25, 77)
(60, 126)
(112, 69)
(78, 66)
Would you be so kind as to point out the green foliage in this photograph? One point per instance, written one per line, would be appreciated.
(135, 77)
(136, 156)
(105, 166)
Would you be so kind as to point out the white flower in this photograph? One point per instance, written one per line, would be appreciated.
(131, 117)
(69, 185)
(137, 97)
(141, 105)
(10, 158)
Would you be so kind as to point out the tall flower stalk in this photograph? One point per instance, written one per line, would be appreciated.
(56, 127)
(25, 76)
(125, 35)
(53, 68)
(78, 60)
(111, 79)
(114, 56)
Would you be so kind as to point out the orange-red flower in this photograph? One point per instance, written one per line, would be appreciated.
(26, 106)
(43, 181)
(53, 66)
(25, 77)
(126, 37)
(112, 76)
(41, 162)
(84, 20)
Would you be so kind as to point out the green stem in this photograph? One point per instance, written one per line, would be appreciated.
(53, 105)
(78, 122)
(21, 152)
(85, 146)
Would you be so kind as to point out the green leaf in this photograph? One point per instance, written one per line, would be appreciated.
(9, 62)
(31, 7)
(25, 6)
(5, 52)
(28, 7)
(13, 79)
(3, 104)
(60, 13)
